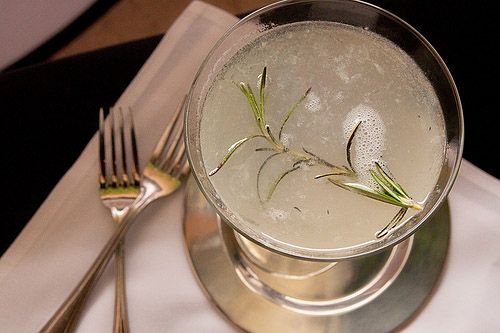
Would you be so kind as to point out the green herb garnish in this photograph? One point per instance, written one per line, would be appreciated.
(345, 177)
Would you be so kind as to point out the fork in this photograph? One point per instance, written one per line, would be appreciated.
(164, 173)
(118, 191)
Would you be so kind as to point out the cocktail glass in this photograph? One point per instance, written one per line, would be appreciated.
(263, 285)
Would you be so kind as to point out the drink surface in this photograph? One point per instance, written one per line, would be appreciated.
(354, 76)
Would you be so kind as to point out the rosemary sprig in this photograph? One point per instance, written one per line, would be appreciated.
(279, 179)
(276, 146)
(388, 191)
(258, 110)
(263, 80)
(393, 223)
(349, 144)
(292, 110)
(231, 151)
(259, 172)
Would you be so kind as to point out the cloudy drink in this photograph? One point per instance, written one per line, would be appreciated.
(359, 81)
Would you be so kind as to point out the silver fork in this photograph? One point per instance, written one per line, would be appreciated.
(118, 191)
(164, 173)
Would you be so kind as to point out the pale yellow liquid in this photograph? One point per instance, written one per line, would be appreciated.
(354, 75)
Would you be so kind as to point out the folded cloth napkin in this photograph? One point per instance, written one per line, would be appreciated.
(62, 239)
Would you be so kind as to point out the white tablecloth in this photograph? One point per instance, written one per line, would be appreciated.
(54, 250)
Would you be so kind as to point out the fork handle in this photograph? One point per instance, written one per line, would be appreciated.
(66, 316)
(120, 324)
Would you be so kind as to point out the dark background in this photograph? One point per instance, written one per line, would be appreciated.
(49, 109)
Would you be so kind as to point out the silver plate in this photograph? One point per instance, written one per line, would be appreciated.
(259, 292)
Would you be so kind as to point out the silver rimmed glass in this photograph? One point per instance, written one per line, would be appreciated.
(257, 259)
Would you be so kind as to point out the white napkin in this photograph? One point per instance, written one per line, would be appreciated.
(468, 296)
(54, 250)
(62, 239)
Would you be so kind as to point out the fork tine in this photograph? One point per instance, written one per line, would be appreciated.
(114, 163)
(102, 152)
(169, 160)
(162, 143)
(135, 158)
(181, 167)
(171, 163)
(123, 150)
(169, 155)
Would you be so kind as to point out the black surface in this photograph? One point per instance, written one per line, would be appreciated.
(466, 35)
(50, 110)
(49, 115)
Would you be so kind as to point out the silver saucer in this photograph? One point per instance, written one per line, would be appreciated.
(378, 293)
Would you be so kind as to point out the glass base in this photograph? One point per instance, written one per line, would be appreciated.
(261, 291)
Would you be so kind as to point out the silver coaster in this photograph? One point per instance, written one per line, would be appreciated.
(378, 293)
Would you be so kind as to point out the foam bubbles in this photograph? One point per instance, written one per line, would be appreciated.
(339, 96)
(277, 214)
(313, 103)
(285, 139)
(369, 142)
